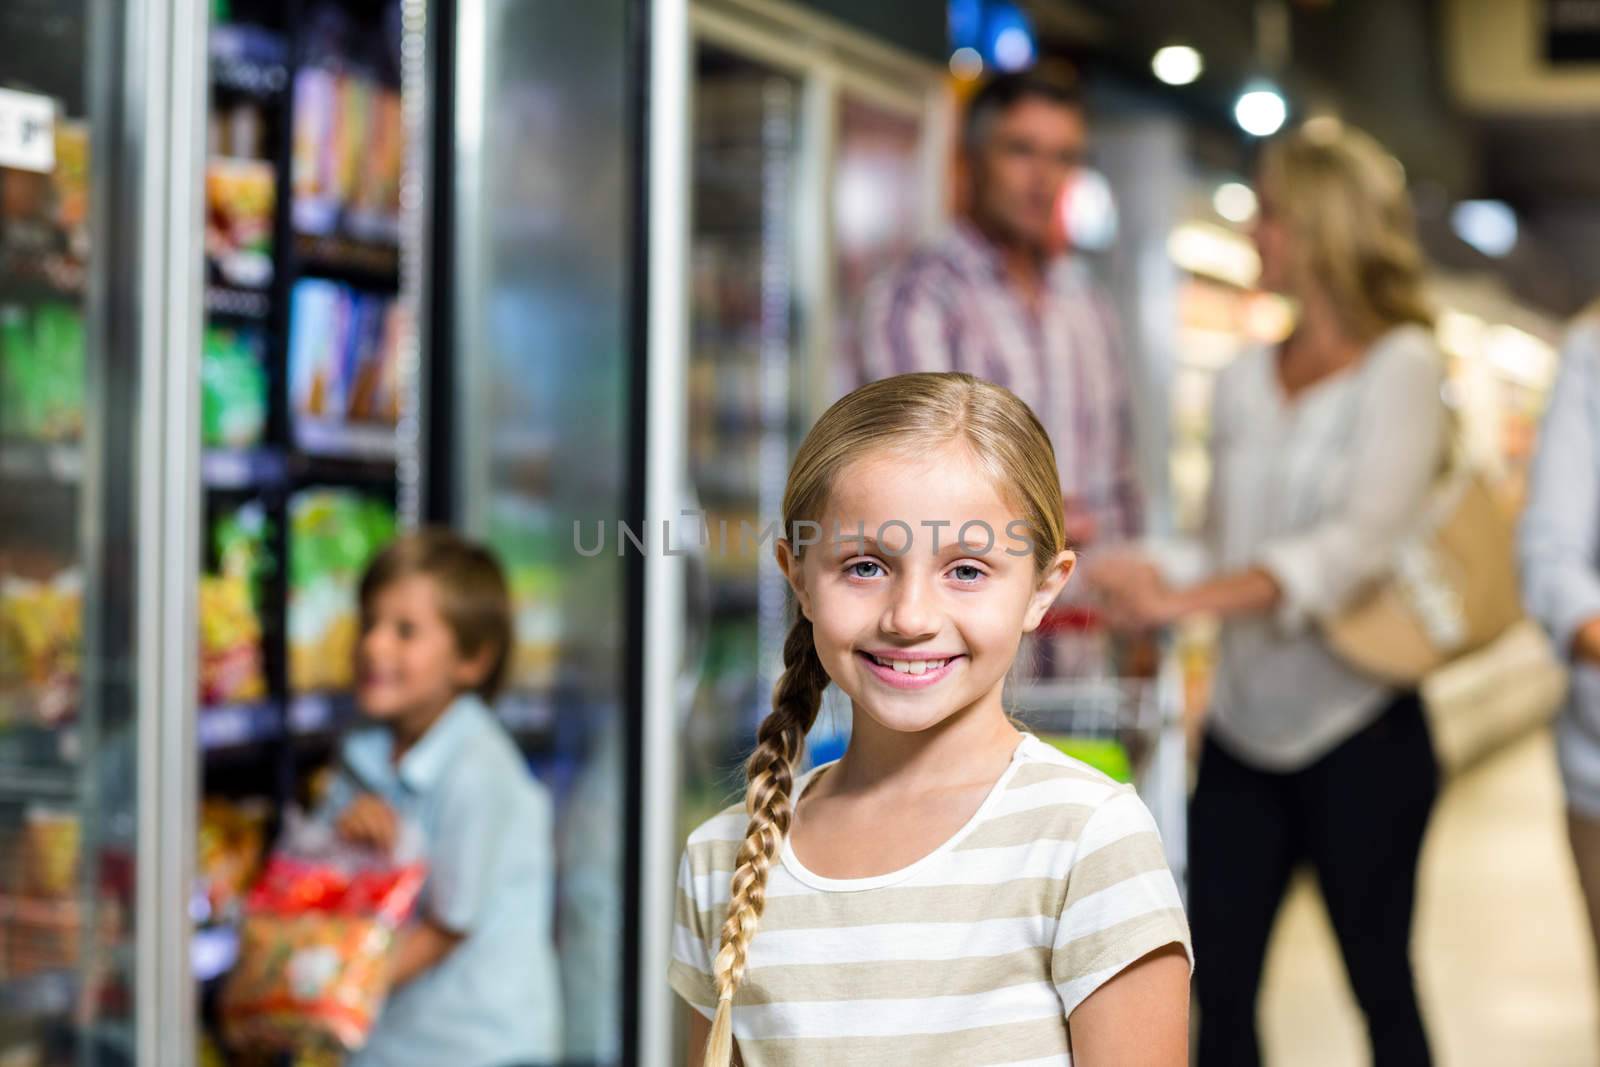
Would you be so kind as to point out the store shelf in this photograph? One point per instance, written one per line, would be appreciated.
(243, 468)
(320, 714)
(40, 461)
(237, 725)
(249, 305)
(363, 264)
(38, 783)
(46, 994)
(249, 76)
(363, 442)
(62, 283)
(249, 59)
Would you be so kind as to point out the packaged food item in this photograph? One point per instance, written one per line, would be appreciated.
(16, 363)
(70, 186)
(344, 349)
(316, 204)
(527, 541)
(313, 966)
(42, 371)
(231, 844)
(231, 665)
(233, 389)
(348, 152)
(41, 647)
(241, 196)
(52, 842)
(333, 534)
(351, 129)
(375, 212)
(49, 935)
(59, 348)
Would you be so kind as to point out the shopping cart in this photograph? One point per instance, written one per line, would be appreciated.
(1130, 727)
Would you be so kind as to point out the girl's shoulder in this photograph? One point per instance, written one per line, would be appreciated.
(1040, 762)
(1045, 771)
(1059, 796)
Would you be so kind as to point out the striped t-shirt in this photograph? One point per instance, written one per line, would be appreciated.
(975, 954)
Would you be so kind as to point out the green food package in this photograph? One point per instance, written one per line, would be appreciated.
(233, 390)
(55, 393)
(1102, 753)
(17, 363)
(334, 533)
(241, 540)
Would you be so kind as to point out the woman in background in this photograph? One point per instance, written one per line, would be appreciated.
(1323, 451)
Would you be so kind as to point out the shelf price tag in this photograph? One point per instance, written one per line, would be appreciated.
(27, 131)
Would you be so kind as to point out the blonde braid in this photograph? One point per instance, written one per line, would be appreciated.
(770, 777)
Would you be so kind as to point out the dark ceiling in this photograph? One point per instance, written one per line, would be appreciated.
(1380, 65)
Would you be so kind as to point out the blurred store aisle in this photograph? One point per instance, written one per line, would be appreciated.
(1503, 961)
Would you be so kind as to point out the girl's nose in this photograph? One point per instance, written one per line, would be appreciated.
(911, 611)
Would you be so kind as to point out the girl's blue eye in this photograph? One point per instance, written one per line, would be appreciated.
(966, 572)
(855, 569)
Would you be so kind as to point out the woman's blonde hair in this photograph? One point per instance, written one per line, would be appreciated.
(1344, 200)
(910, 416)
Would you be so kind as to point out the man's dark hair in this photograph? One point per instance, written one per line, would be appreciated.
(1004, 92)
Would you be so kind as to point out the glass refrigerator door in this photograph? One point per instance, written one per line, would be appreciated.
(879, 191)
(743, 409)
(93, 350)
(540, 354)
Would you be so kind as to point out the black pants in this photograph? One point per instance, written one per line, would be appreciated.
(1358, 815)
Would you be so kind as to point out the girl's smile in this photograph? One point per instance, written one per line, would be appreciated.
(911, 670)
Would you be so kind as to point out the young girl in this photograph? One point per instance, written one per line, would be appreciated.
(951, 890)
(475, 973)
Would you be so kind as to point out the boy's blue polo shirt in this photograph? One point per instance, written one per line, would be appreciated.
(495, 1000)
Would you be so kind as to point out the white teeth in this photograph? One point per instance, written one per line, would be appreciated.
(911, 666)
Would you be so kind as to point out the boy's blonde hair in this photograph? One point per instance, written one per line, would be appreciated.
(1345, 202)
(472, 592)
(910, 416)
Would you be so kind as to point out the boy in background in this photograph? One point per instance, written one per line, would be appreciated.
(475, 979)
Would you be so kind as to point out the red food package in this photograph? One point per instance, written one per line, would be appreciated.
(314, 948)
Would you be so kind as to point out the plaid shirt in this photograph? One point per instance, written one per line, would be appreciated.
(951, 307)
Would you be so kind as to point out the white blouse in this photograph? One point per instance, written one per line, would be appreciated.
(1319, 491)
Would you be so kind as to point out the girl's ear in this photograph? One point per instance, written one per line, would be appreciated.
(789, 564)
(1050, 586)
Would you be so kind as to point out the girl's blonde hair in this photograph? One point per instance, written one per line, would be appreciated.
(1345, 202)
(910, 416)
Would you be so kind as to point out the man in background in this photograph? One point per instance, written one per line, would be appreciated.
(996, 299)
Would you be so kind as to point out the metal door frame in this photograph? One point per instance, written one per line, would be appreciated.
(165, 93)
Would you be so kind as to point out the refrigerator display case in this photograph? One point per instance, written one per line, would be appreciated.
(535, 321)
(745, 410)
(94, 518)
